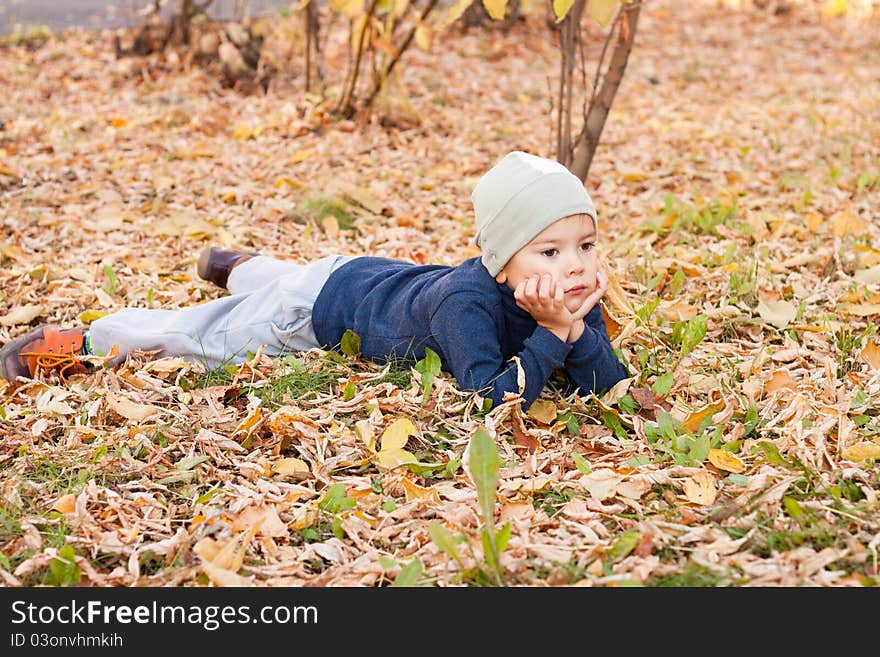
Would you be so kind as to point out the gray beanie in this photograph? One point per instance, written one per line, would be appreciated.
(518, 198)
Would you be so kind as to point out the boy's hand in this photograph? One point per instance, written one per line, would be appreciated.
(544, 299)
(577, 328)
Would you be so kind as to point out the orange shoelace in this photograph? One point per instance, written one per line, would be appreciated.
(66, 364)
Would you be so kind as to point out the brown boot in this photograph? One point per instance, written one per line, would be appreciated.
(46, 347)
(216, 263)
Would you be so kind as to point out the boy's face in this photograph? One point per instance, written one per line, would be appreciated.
(566, 251)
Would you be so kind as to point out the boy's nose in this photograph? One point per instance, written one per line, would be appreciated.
(575, 265)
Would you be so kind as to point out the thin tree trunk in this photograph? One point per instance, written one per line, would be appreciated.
(588, 139)
(379, 80)
(568, 40)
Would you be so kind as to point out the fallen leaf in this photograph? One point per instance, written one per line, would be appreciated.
(871, 355)
(695, 419)
(521, 435)
(288, 466)
(543, 411)
(415, 492)
(21, 315)
(393, 440)
(724, 460)
(778, 380)
(778, 313)
(131, 410)
(65, 504)
(862, 452)
(601, 484)
(866, 309)
(700, 489)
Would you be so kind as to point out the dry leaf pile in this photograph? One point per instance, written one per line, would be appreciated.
(738, 187)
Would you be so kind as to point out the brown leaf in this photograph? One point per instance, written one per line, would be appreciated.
(521, 436)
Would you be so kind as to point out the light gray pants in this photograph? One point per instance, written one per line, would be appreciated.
(270, 304)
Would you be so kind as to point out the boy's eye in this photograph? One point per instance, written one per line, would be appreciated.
(550, 252)
(587, 246)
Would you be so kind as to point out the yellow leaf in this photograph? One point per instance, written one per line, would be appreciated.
(364, 430)
(415, 492)
(290, 182)
(391, 458)
(862, 452)
(724, 460)
(456, 11)
(495, 8)
(602, 10)
(561, 7)
(542, 411)
(89, 316)
(300, 155)
(871, 355)
(65, 504)
(246, 426)
(834, 8)
(398, 432)
(290, 466)
(21, 315)
(243, 132)
(348, 8)
(424, 36)
(695, 419)
(184, 225)
(700, 489)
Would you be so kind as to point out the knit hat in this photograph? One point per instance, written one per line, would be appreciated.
(518, 198)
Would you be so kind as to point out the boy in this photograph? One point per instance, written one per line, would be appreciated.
(531, 301)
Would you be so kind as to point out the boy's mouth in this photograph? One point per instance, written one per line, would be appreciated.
(576, 290)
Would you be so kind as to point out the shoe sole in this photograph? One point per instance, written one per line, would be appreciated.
(11, 349)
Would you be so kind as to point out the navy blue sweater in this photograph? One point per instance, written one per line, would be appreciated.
(473, 323)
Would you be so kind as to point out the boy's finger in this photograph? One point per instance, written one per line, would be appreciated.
(544, 292)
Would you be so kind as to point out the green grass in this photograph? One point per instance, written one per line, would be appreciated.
(691, 576)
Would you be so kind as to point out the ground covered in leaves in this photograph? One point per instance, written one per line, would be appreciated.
(738, 186)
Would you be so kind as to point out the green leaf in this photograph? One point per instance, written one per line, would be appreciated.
(581, 463)
(348, 393)
(335, 499)
(626, 542)
(189, 462)
(793, 508)
(502, 536)
(663, 384)
(207, 496)
(111, 285)
(350, 343)
(699, 449)
(409, 574)
(694, 332)
(483, 464)
(63, 570)
(773, 455)
(429, 368)
(444, 540)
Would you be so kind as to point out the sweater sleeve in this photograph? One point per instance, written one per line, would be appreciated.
(467, 334)
(591, 365)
